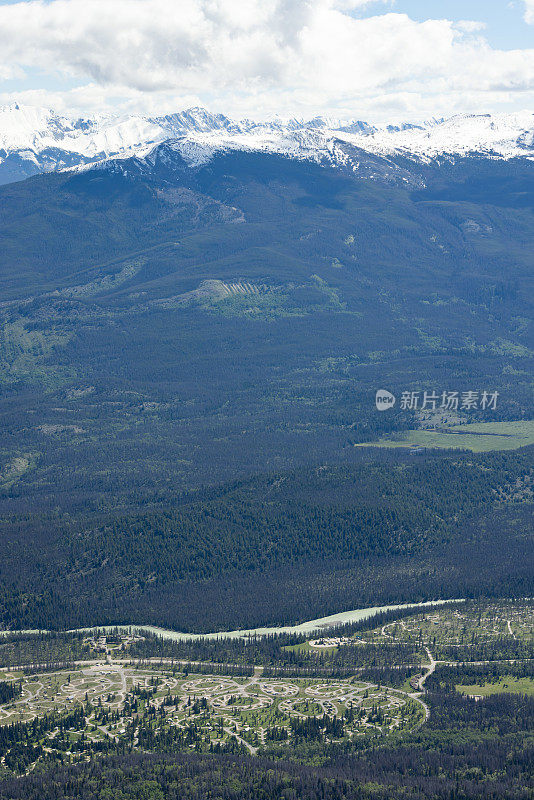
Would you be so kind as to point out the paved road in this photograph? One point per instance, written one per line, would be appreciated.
(252, 750)
(430, 667)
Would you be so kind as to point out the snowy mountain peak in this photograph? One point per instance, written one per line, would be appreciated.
(36, 140)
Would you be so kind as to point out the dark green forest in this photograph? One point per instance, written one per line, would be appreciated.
(189, 357)
(340, 537)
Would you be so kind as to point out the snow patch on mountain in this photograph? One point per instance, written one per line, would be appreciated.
(493, 135)
(36, 140)
(25, 128)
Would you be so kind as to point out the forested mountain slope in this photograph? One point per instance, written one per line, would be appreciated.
(167, 330)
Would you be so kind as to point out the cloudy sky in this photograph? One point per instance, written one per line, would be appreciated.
(369, 59)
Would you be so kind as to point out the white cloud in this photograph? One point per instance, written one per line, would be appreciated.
(352, 5)
(258, 57)
(470, 25)
(529, 11)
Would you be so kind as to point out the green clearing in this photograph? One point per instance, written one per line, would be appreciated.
(304, 647)
(27, 352)
(506, 684)
(11, 472)
(480, 437)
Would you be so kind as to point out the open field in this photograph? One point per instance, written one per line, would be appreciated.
(507, 684)
(480, 437)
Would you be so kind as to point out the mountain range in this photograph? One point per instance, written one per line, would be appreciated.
(35, 140)
(195, 318)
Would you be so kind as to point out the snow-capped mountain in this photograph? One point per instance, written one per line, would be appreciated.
(36, 140)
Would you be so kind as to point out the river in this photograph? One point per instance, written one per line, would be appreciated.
(312, 626)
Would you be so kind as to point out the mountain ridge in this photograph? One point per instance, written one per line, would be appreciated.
(35, 140)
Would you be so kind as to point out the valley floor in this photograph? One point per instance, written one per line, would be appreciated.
(370, 681)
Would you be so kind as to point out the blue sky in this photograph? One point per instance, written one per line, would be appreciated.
(374, 59)
(505, 21)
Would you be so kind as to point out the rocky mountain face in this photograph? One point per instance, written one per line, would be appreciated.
(34, 140)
